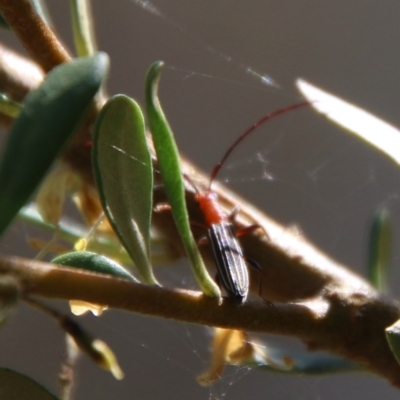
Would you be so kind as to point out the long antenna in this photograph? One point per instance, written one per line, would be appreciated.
(251, 129)
(189, 179)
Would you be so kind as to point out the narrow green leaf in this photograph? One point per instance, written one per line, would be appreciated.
(93, 262)
(393, 338)
(109, 246)
(9, 293)
(355, 120)
(49, 116)
(8, 106)
(14, 385)
(124, 176)
(380, 249)
(3, 23)
(168, 161)
(307, 364)
(97, 350)
(82, 24)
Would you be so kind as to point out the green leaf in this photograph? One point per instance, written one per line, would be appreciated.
(8, 106)
(124, 176)
(49, 116)
(168, 162)
(3, 23)
(16, 386)
(97, 350)
(393, 338)
(71, 231)
(82, 26)
(380, 249)
(304, 363)
(371, 129)
(93, 262)
(9, 294)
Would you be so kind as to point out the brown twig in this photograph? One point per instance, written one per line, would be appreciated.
(66, 375)
(38, 39)
(348, 323)
(18, 75)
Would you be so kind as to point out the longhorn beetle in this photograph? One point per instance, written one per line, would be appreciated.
(232, 271)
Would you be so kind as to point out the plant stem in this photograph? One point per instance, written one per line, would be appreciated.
(82, 24)
(38, 39)
(347, 323)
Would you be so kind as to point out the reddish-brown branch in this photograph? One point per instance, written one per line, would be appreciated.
(18, 75)
(350, 324)
(37, 38)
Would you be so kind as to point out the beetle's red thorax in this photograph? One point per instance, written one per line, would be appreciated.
(212, 211)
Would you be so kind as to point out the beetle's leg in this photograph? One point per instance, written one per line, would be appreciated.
(247, 229)
(203, 241)
(253, 264)
(256, 266)
(233, 214)
(162, 207)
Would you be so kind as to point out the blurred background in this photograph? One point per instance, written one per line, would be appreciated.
(299, 169)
